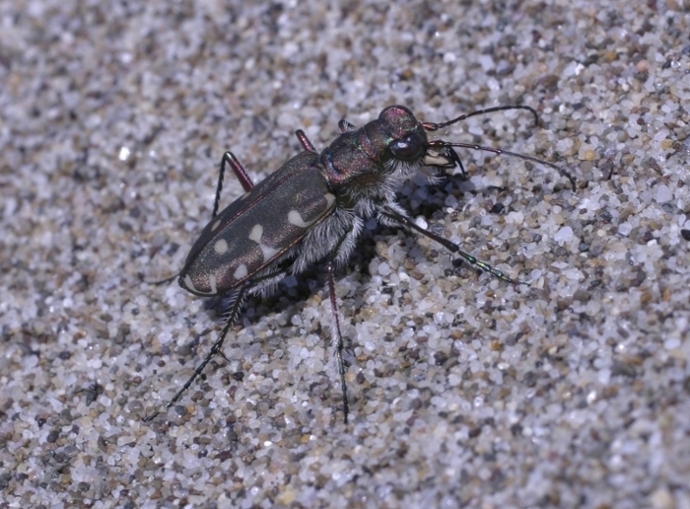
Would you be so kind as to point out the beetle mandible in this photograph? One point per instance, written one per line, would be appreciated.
(314, 208)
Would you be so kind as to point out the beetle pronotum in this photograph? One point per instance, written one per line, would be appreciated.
(314, 207)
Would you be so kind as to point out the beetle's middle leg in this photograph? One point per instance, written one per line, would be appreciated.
(336, 335)
(304, 141)
(344, 126)
(237, 300)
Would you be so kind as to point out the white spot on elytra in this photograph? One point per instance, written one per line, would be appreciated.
(330, 199)
(189, 283)
(241, 271)
(221, 246)
(256, 233)
(212, 282)
(295, 218)
(215, 225)
(268, 251)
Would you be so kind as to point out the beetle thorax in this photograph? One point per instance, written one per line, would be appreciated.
(370, 163)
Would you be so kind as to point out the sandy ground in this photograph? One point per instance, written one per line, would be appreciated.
(570, 391)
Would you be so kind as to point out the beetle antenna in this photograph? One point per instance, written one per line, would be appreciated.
(432, 126)
(498, 151)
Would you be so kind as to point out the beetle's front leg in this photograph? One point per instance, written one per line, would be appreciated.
(451, 246)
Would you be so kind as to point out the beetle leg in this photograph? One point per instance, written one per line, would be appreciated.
(234, 310)
(304, 141)
(237, 299)
(162, 281)
(337, 338)
(451, 246)
(240, 173)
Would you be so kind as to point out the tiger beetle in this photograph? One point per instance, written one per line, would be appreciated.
(314, 208)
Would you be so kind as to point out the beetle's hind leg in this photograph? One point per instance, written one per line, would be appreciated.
(237, 297)
(228, 159)
(233, 312)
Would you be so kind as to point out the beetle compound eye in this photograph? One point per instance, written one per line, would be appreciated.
(408, 148)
